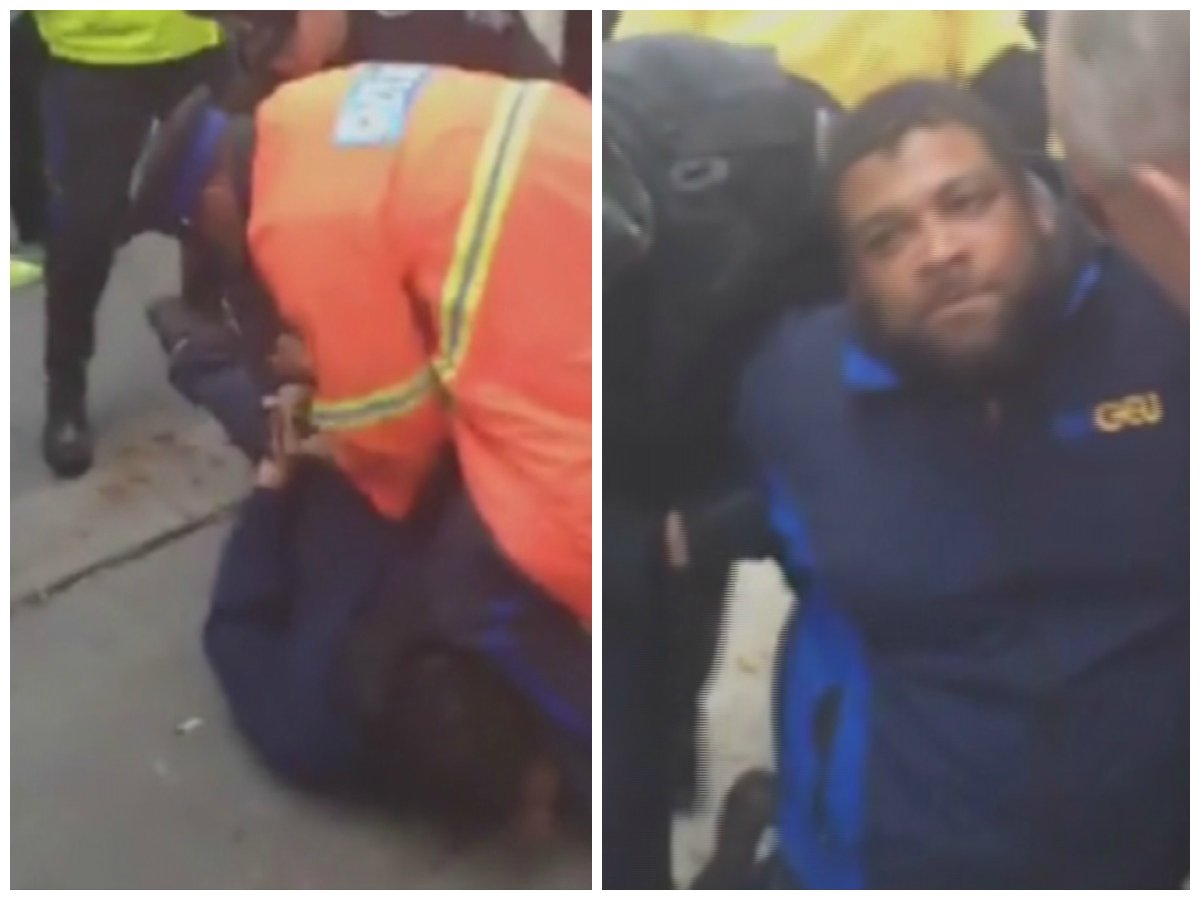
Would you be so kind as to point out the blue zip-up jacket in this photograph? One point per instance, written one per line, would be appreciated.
(985, 682)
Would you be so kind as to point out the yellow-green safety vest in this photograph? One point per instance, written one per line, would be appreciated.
(124, 37)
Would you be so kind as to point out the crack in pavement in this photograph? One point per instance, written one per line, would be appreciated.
(161, 479)
(39, 596)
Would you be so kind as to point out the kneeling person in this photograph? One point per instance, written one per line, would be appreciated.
(978, 481)
(426, 232)
(404, 659)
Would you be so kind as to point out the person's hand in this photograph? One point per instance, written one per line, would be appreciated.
(286, 411)
(291, 361)
(317, 445)
(271, 474)
(274, 469)
(291, 406)
(317, 39)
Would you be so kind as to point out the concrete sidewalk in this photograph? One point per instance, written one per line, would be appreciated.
(155, 478)
(736, 703)
(128, 376)
(109, 792)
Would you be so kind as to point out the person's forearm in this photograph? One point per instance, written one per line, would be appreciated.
(317, 41)
(230, 394)
(206, 363)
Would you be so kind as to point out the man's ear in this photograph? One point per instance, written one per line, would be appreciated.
(1172, 192)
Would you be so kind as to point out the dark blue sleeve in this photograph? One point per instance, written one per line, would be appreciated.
(252, 575)
(754, 392)
(758, 432)
(275, 666)
(228, 392)
(547, 657)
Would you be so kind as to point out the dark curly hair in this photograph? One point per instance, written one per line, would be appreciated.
(454, 739)
(885, 118)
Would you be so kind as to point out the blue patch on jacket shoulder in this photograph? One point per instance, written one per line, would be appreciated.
(377, 108)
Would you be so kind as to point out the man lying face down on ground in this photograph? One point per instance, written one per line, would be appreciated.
(360, 654)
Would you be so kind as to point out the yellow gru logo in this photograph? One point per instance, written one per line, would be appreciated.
(1134, 411)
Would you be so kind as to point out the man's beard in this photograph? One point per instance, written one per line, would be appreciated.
(1026, 319)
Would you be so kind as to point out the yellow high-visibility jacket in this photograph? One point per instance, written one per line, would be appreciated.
(124, 37)
(853, 54)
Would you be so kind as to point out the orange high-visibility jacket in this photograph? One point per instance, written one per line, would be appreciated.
(427, 232)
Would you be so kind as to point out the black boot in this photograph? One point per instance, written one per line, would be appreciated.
(746, 815)
(67, 438)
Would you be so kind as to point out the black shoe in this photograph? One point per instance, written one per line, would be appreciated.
(67, 439)
(746, 815)
(748, 812)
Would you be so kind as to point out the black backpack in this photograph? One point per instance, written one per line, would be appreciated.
(726, 145)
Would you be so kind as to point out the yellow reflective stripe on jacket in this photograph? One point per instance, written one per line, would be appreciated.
(479, 229)
(378, 406)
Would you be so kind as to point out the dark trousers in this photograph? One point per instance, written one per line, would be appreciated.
(26, 169)
(96, 119)
(639, 771)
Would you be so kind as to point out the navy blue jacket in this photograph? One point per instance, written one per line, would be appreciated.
(302, 573)
(985, 681)
(300, 567)
(308, 568)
